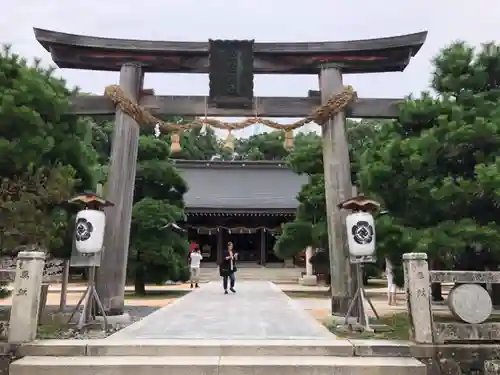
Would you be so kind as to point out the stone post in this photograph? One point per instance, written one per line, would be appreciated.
(309, 279)
(64, 286)
(120, 191)
(309, 266)
(26, 296)
(338, 187)
(418, 296)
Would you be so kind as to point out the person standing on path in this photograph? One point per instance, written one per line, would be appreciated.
(227, 268)
(195, 263)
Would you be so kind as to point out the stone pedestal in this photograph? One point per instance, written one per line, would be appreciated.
(308, 280)
(418, 296)
(26, 296)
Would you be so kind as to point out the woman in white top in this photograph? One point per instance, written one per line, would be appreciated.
(391, 286)
(196, 258)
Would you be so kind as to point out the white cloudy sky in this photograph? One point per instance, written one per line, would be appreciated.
(263, 20)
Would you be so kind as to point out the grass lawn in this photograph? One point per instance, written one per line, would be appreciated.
(398, 324)
(398, 327)
(51, 326)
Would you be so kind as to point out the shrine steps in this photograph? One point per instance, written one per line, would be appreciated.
(273, 274)
(205, 357)
(208, 365)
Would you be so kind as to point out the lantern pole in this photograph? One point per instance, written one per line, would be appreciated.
(90, 302)
(361, 240)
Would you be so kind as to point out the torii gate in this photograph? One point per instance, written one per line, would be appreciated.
(134, 58)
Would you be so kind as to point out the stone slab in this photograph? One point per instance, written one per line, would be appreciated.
(471, 303)
(258, 311)
(115, 366)
(457, 332)
(381, 348)
(311, 280)
(215, 365)
(63, 348)
(161, 347)
(479, 277)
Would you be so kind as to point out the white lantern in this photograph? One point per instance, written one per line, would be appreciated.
(361, 234)
(89, 231)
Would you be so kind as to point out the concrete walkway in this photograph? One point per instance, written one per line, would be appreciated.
(259, 310)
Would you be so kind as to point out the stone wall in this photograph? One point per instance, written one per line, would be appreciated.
(452, 359)
(467, 345)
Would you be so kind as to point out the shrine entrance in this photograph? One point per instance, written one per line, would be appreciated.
(231, 66)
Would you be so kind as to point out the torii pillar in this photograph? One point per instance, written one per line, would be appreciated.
(338, 187)
(112, 273)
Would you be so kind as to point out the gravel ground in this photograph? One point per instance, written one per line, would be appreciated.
(55, 327)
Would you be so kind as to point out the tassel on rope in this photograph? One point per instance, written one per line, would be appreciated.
(229, 143)
(288, 139)
(175, 147)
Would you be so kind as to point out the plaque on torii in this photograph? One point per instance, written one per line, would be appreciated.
(231, 73)
(133, 58)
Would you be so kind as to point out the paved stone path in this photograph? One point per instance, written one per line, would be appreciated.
(259, 310)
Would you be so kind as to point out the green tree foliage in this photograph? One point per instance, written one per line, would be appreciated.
(44, 155)
(200, 144)
(263, 146)
(436, 169)
(307, 159)
(157, 253)
(268, 145)
(31, 217)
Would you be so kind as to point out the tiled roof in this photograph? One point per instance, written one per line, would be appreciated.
(240, 185)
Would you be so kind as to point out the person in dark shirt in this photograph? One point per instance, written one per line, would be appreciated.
(227, 268)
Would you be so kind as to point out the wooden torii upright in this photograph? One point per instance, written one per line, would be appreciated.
(133, 58)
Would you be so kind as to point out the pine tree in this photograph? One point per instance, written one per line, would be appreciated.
(436, 169)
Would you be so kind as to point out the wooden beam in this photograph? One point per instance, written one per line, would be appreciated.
(50, 37)
(267, 107)
(109, 54)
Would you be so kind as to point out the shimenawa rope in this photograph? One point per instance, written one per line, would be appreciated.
(321, 115)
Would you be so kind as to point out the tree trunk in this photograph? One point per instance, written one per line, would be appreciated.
(139, 282)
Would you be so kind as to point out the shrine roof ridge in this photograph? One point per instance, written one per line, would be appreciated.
(356, 56)
(234, 164)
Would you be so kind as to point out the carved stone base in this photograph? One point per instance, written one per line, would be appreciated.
(123, 319)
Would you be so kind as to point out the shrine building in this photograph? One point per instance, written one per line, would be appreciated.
(244, 202)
